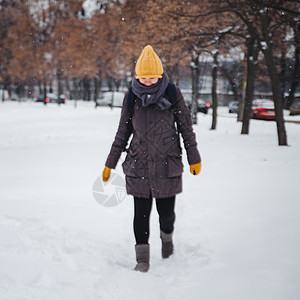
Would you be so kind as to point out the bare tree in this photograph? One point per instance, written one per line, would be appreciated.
(252, 56)
(262, 19)
(295, 78)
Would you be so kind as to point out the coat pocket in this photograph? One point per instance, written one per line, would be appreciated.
(175, 165)
(133, 167)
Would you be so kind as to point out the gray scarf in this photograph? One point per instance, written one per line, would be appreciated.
(153, 94)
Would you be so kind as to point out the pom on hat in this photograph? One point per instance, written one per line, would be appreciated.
(148, 65)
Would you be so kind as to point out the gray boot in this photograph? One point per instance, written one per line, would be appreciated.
(167, 248)
(142, 257)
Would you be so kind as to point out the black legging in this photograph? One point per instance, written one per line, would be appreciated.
(142, 210)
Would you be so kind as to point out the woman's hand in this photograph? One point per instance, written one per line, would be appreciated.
(195, 169)
(106, 174)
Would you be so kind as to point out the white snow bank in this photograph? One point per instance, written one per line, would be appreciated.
(236, 232)
(112, 99)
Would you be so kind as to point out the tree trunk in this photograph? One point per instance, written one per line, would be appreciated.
(214, 88)
(112, 97)
(98, 84)
(242, 103)
(67, 83)
(75, 91)
(86, 88)
(44, 90)
(9, 88)
(244, 85)
(195, 86)
(96, 91)
(20, 90)
(110, 83)
(58, 78)
(252, 53)
(275, 83)
(296, 73)
(30, 93)
(117, 83)
(282, 75)
(40, 87)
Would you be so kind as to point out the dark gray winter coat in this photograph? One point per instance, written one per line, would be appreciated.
(153, 164)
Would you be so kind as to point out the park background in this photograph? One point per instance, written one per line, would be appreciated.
(237, 227)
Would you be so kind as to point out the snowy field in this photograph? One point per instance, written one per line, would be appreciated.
(237, 232)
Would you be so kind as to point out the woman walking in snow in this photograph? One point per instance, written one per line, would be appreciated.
(154, 112)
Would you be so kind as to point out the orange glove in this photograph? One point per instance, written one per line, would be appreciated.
(106, 173)
(195, 169)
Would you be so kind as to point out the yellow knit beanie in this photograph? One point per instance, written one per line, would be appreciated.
(148, 65)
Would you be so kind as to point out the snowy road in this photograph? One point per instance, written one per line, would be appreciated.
(237, 227)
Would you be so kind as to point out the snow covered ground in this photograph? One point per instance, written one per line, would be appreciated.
(237, 229)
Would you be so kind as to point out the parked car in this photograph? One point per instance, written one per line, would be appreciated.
(203, 106)
(188, 102)
(62, 98)
(52, 98)
(263, 109)
(233, 107)
(295, 109)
